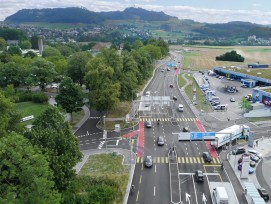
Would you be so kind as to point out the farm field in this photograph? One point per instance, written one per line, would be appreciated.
(203, 58)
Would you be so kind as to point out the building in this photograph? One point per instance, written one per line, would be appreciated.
(259, 81)
(262, 94)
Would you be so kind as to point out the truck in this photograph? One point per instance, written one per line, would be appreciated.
(229, 134)
(220, 195)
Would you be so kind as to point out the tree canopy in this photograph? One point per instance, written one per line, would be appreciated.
(25, 173)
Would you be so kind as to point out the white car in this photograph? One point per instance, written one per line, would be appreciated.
(255, 152)
(232, 99)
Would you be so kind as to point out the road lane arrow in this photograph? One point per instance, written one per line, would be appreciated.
(187, 197)
(204, 200)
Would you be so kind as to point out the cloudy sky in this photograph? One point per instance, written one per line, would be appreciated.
(211, 11)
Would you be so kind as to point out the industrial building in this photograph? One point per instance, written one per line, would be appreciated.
(262, 94)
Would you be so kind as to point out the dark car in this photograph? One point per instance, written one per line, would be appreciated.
(199, 176)
(171, 85)
(240, 160)
(254, 158)
(239, 150)
(160, 141)
(207, 157)
(148, 161)
(148, 124)
(263, 193)
(174, 98)
(186, 129)
(250, 169)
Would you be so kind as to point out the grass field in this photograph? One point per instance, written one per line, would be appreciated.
(30, 108)
(203, 57)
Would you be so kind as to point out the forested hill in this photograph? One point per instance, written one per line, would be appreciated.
(137, 14)
(56, 15)
(81, 15)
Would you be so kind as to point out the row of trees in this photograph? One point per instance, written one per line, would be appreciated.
(110, 76)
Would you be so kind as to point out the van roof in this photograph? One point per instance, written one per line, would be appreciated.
(180, 105)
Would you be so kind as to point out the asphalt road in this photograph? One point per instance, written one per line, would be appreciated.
(153, 184)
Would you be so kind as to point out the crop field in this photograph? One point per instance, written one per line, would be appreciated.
(203, 58)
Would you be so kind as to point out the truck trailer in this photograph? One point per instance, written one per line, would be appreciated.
(229, 134)
(220, 195)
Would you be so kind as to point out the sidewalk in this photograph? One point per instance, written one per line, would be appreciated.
(261, 177)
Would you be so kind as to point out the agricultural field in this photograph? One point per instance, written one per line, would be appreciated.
(203, 58)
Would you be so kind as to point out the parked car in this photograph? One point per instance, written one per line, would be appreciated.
(252, 163)
(255, 152)
(174, 98)
(160, 141)
(239, 150)
(207, 157)
(199, 176)
(244, 86)
(162, 70)
(254, 158)
(148, 161)
(232, 99)
(240, 160)
(250, 169)
(168, 69)
(263, 193)
(148, 124)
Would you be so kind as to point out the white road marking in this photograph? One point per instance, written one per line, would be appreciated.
(154, 191)
(117, 142)
(101, 144)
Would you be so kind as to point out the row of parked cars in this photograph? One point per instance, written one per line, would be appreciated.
(255, 157)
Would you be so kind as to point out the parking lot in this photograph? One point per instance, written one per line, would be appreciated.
(233, 111)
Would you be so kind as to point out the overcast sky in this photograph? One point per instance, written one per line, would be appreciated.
(211, 11)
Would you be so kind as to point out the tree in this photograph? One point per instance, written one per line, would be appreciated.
(245, 105)
(70, 96)
(26, 44)
(76, 69)
(50, 52)
(55, 138)
(14, 50)
(3, 43)
(153, 51)
(43, 72)
(25, 176)
(10, 73)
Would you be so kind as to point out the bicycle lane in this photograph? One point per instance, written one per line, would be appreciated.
(208, 143)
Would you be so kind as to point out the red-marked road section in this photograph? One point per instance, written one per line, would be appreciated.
(177, 71)
(208, 143)
(141, 139)
(130, 134)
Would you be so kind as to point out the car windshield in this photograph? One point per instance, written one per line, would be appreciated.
(200, 173)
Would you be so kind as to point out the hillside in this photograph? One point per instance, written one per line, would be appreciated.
(142, 19)
(56, 15)
(136, 14)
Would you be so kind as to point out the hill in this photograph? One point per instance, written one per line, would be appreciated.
(136, 14)
(159, 23)
(56, 15)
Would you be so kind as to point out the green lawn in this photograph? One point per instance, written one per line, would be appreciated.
(200, 98)
(30, 108)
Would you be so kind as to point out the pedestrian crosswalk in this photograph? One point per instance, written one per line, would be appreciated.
(181, 160)
(169, 119)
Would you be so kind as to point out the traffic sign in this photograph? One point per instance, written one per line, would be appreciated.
(202, 135)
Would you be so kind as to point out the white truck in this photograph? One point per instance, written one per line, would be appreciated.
(225, 136)
(220, 196)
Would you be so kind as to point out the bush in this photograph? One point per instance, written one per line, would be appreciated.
(231, 56)
(39, 97)
(24, 96)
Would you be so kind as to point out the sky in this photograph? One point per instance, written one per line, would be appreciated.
(210, 11)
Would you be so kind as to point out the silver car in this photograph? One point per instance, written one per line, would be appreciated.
(148, 161)
(160, 141)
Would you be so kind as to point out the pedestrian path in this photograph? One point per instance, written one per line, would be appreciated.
(169, 119)
(181, 160)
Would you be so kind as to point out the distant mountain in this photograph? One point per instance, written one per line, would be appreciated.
(137, 14)
(81, 15)
(56, 15)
